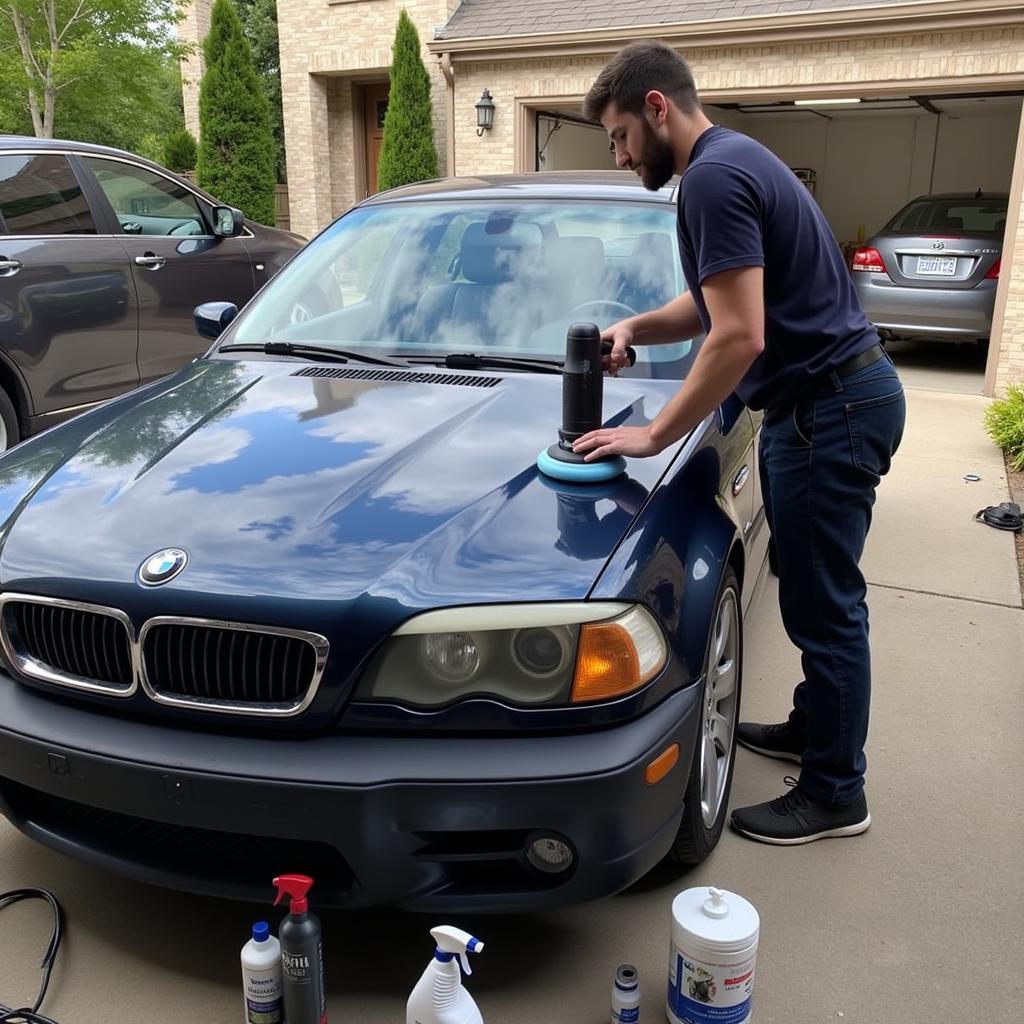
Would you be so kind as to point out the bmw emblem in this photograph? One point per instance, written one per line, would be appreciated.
(162, 566)
(938, 245)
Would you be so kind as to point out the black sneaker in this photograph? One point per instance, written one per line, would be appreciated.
(771, 740)
(795, 818)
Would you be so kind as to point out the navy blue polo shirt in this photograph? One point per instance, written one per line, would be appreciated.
(741, 206)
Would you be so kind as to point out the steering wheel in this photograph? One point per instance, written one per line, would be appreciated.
(606, 303)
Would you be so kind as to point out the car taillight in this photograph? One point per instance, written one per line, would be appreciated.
(867, 258)
(993, 274)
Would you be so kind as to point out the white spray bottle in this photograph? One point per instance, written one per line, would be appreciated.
(439, 997)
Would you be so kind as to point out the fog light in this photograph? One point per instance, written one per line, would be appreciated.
(550, 854)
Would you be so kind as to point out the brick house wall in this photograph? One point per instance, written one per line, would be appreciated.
(327, 48)
(193, 29)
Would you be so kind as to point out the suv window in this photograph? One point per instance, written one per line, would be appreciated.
(40, 195)
(146, 203)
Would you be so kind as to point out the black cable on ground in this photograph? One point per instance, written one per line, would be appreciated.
(26, 1014)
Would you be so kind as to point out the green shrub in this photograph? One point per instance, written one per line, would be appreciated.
(151, 146)
(407, 153)
(1004, 420)
(236, 146)
(180, 151)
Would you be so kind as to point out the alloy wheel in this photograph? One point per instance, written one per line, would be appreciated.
(720, 707)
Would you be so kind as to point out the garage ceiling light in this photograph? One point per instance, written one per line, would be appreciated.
(825, 102)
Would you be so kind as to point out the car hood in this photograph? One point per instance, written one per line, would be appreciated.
(419, 490)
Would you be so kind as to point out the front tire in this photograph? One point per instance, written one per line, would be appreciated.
(714, 756)
(10, 433)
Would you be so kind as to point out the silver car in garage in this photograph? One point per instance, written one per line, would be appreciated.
(932, 271)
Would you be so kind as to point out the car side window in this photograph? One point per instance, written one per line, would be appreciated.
(40, 195)
(146, 203)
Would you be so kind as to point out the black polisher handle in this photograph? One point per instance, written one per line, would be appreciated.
(606, 350)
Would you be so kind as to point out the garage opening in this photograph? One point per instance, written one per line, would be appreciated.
(864, 159)
(567, 142)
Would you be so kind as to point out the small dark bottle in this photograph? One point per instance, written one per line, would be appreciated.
(302, 960)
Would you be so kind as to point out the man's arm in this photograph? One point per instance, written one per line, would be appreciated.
(735, 301)
(675, 321)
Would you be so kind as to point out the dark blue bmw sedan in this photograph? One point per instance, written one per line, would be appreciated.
(309, 605)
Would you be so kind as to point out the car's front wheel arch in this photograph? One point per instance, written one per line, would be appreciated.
(16, 418)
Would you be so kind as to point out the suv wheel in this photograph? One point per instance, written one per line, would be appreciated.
(10, 434)
(714, 757)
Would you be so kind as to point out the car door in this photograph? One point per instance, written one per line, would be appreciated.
(758, 535)
(176, 260)
(739, 482)
(68, 312)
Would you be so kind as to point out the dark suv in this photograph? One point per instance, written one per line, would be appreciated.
(103, 257)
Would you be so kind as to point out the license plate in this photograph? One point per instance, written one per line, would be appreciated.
(937, 266)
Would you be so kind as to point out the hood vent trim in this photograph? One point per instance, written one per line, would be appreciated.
(407, 376)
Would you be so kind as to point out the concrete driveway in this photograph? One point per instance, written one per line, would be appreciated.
(918, 920)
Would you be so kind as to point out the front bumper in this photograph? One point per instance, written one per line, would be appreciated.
(423, 823)
(903, 311)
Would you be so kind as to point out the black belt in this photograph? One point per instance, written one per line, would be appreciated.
(854, 363)
(822, 383)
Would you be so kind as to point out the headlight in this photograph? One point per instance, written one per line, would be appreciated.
(524, 654)
(454, 657)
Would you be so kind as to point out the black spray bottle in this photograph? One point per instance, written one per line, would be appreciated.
(302, 961)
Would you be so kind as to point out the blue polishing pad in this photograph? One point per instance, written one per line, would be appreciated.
(581, 472)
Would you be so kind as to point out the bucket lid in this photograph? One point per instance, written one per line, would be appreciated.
(716, 918)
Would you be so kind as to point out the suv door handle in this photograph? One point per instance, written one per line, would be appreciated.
(150, 262)
(8, 268)
(740, 480)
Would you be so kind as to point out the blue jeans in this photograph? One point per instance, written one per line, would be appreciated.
(821, 460)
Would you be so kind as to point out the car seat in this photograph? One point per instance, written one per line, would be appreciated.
(648, 277)
(498, 268)
(576, 273)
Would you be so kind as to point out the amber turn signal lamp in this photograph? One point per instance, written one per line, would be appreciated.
(662, 765)
(607, 665)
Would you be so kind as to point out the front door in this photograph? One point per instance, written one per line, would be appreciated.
(176, 260)
(68, 313)
(376, 99)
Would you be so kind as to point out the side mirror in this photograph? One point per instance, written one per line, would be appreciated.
(227, 222)
(211, 318)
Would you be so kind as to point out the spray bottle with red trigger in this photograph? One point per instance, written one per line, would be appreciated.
(302, 961)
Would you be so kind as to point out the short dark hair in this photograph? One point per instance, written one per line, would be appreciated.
(633, 72)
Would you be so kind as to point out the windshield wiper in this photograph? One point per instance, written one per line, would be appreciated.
(475, 361)
(328, 352)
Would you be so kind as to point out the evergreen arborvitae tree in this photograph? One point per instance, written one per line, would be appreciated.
(407, 153)
(236, 147)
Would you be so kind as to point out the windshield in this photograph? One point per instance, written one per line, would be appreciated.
(497, 280)
(967, 215)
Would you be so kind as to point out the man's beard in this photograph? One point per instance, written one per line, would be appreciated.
(657, 162)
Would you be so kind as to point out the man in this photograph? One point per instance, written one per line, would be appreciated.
(768, 287)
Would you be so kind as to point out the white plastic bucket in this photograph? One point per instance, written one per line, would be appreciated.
(712, 957)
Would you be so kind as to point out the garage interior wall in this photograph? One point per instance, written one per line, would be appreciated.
(869, 164)
(571, 147)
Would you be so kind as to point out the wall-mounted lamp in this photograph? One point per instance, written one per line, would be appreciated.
(484, 112)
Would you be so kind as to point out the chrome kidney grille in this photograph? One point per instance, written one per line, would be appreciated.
(202, 664)
(82, 646)
(229, 666)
